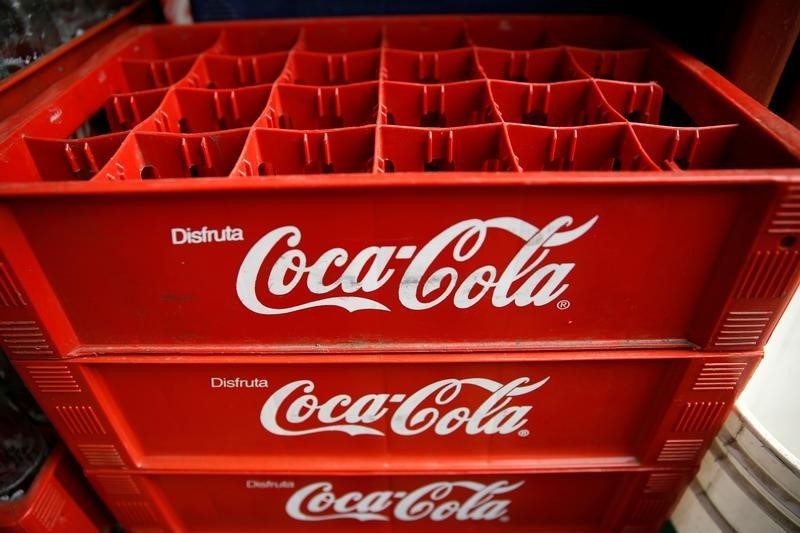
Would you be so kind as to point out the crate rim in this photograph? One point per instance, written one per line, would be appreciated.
(742, 177)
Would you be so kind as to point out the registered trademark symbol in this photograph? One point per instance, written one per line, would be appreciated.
(563, 304)
(504, 519)
(523, 432)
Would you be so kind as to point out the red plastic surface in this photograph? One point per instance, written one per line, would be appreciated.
(395, 184)
(59, 500)
(293, 413)
(607, 500)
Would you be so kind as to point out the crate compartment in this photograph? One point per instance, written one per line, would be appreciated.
(430, 106)
(296, 107)
(220, 72)
(257, 40)
(142, 75)
(635, 102)
(72, 159)
(468, 501)
(548, 409)
(687, 148)
(202, 110)
(431, 67)
(426, 35)
(621, 65)
(534, 66)
(161, 155)
(271, 152)
(508, 33)
(119, 112)
(125, 111)
(601, 147)
(470, 148)
(574, 103)
(309, 68)
(168, 42)
(336, 38)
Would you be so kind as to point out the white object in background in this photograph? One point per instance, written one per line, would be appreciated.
(177, 11)
(750, 479)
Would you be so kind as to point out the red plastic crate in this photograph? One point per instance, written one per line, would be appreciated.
(58, 500)
(484, 183)
(293, 414)
(608, 500)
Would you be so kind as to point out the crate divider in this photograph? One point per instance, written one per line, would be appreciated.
(270, 152)
(231, 72)
(508, 34)
(484, 147)
(125, 111)
(170, 42)
(569, 103)
(256, 40)
(620, 65)
(542, 65)
(679, 149)
(431, 67)
(72, 159)
(636, 102)
(316, 68)
(203, 110)
(601, 147)
(147, 155)
(445, 105)
(490, 72)
(311, 108)
(425, 36)
(146, 74)
(334, 39)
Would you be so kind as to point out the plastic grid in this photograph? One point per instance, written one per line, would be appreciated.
(447, 94)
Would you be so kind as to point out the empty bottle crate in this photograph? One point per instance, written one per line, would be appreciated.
(392, 185)
(608, 500)
(295, 413)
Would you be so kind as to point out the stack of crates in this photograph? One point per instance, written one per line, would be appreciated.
(493, 273)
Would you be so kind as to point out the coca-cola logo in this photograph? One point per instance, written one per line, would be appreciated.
(527, 279)
(431, 408)
(435, 501)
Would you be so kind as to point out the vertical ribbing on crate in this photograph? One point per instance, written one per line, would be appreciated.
(766, 275)
(699, 404)
(32, 323)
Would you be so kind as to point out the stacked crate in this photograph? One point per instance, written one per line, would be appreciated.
(494, 273)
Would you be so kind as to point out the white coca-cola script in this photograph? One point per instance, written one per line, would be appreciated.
(536, 281)
(433, 407)
(435, 502)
